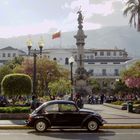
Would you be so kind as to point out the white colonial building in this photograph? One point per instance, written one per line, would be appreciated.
(9, 53)
(104, 65)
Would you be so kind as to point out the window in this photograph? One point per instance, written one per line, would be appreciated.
(116, 62)
(14, 54)
(120, 53)
(104, 72)
(3, 55)
(103, 62)
(91, 57)
(9, 55)
(75, 57)
(114, 53)
(108, 53)
(101, 53)
(67, 108)
(95, 53)
(51, 108)
(116, 72)
(66, 61)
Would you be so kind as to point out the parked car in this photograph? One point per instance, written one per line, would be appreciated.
(63, 113)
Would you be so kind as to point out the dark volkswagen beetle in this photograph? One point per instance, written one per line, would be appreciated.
(63, 113)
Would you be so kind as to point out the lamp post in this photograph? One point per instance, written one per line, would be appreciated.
(71, 61)
(34, 54)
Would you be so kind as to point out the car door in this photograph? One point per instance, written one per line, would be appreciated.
(68, 115)
(50, 111)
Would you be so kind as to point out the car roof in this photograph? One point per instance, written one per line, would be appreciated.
(59, 101)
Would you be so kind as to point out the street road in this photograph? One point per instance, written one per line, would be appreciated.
(112, 115)
(55, 134)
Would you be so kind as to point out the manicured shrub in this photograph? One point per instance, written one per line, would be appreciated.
(16, 84)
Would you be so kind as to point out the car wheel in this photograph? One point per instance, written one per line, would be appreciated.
(92, 125)
(40, 125)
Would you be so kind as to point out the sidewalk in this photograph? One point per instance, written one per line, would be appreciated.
(9, 124)
(116, 119)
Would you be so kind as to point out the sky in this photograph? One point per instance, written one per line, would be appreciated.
(27, 17)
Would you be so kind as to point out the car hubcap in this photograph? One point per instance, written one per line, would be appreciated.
(92, 125)
(41, 126)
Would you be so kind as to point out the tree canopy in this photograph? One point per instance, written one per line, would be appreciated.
(60, 87)
(133, 9)
(131, 76)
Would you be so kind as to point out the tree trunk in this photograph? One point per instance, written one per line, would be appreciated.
(138, 25)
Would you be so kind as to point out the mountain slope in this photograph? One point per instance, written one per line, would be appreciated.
(108, 37)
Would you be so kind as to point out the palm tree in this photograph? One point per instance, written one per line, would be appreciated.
(133, 8)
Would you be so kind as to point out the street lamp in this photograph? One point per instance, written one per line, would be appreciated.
(34, 54)
(71, 61)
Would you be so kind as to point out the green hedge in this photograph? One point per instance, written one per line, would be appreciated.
(118, 102)
(14, 109)
(16, 84)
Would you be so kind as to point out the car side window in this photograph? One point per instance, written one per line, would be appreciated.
(67, 108)
(51, 108)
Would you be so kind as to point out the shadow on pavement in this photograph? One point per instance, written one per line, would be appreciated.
(74, 134)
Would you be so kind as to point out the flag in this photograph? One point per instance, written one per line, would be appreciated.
(56, 35)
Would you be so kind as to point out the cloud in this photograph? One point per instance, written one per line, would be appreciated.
(96, 14)
(104, 11)
(89, 9)
(104, 8)
(6, 2)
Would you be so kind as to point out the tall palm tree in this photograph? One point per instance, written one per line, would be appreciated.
(133, 8)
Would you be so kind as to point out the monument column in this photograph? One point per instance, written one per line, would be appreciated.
(80, 41)
(81, 75)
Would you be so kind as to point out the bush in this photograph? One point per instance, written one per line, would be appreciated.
(118, 102)
(14, 109)
(16, 84)
(136, 102)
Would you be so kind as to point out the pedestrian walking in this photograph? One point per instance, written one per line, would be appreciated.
(35, 103)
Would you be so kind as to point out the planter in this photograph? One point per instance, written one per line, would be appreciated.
(18, 116)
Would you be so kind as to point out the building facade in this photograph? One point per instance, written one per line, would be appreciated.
(104, 65)
(9, 53)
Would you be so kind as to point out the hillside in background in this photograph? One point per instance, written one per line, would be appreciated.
(108, 37)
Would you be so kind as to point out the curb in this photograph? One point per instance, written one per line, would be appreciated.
(102, 127)
(14, 127)
(120, 127)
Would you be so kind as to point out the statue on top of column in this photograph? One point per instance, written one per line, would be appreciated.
(80, 17)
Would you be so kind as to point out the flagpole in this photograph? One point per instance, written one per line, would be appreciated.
(60, 39)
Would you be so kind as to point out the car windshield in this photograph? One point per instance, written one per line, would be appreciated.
(37, 109)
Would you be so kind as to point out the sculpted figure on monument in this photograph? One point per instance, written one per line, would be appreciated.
(80, 17)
